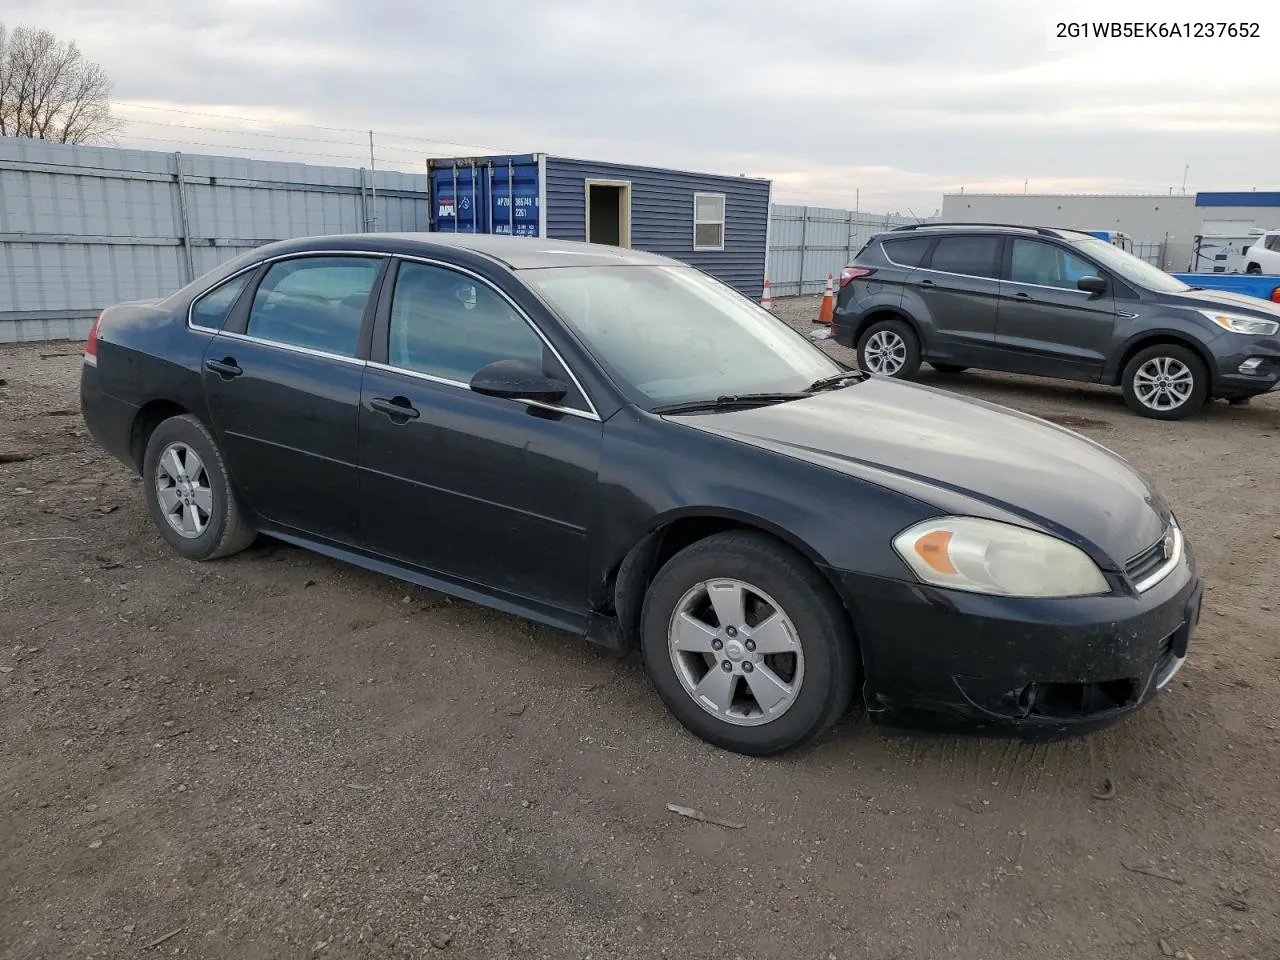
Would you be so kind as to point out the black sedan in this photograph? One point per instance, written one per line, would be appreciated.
(615, 444)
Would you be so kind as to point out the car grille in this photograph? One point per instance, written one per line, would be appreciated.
(1147, 562)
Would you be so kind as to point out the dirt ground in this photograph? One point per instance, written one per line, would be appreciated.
(276, 755)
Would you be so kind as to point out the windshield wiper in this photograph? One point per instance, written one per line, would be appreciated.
(837, 380)
(728, 402)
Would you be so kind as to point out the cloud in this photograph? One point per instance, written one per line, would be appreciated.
(833, 99)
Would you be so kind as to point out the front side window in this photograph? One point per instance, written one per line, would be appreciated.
(314, 302)
(708, 221)
(1046, 265)
(211, 310)
(449, 325)
(673, 334)
(971, 256)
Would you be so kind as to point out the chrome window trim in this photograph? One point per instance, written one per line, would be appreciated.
(884, 249)
(290, 347)
(1046, 286)
(446, 382)
(593, 414)
(191, 324)
(1166, 568)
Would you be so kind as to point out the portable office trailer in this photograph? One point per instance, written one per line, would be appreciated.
(716, 223)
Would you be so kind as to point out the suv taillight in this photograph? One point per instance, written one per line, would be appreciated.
(91, 345)
(851, 273)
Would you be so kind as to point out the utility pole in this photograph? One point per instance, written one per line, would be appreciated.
(373, 182)
(1185, 170)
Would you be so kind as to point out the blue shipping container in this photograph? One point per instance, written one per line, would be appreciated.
(714, 222)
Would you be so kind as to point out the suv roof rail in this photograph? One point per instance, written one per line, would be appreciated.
(1042, 231)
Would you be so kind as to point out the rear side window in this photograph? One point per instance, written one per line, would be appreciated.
(1273, 242)
(907, 253)
(314, 302)
(971, 256)
(212, 309)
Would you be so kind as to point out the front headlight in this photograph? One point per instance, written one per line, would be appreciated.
(1238, 324)
(985, 556)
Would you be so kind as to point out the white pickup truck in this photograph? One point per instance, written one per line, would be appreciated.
(1264, 255)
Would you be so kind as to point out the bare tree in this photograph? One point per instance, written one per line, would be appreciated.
(49, 91)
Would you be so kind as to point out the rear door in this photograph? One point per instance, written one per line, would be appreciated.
(955, 296)
(282, 380)
(1048, 326)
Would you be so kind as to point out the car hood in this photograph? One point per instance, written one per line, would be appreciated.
(1218, 299)
(963, 456)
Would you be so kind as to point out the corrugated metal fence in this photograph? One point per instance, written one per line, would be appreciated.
(807, 243)
(84, 227)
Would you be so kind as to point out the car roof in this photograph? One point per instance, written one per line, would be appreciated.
(516, 253)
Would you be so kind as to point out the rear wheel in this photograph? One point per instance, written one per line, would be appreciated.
(1165, 382)
(747, 645)
(1253, 268)
(889, 348)
(189, 492)
(947, 367)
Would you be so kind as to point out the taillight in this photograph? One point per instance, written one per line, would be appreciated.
(851, 273)
(1275, 295)
(91, 345)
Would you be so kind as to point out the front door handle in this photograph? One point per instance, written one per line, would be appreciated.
(227, 368)
(1020, 295)
(927, 283)
(398, 409)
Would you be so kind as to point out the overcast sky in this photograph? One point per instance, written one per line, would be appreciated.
(901, 100)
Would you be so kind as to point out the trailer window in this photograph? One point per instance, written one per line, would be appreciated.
(708, 221)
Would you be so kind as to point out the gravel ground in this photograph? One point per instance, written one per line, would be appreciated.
(276, 755)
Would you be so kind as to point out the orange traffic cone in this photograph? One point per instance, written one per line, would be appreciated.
(766, 301)
(827, 313)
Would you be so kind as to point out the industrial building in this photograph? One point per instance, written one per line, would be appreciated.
(1163, 227)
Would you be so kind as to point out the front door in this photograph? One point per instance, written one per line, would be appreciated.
(282, 380)
(1047, 325)
(481, 490)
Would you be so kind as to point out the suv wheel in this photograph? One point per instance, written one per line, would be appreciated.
(889, 348)
(1253, 268)
(747, 645)
(1166, 382)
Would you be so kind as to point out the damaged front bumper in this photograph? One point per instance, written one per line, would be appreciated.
(1036, 667)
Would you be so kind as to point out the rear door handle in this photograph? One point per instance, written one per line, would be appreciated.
(225, 368)
(398, 408)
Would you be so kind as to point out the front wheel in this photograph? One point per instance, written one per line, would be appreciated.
(889, 348)
(1165, 382)
(747, 645)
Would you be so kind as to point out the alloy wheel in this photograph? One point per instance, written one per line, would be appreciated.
(1163, 383)
(736, 652)
(885, 353)
(183, 490)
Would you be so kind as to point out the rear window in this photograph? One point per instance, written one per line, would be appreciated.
(971, 256)
(211, 309)
(907, 253)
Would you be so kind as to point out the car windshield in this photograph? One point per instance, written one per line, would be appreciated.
(1131, 268)
(675, 335)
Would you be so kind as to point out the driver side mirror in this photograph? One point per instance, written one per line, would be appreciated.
(1093, 285)
(517, 380)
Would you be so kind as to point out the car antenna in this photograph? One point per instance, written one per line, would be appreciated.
(913, 213)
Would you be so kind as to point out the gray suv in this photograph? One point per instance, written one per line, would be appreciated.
(1054, 303)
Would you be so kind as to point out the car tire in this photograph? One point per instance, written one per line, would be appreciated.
(189, 492)
(1165, 382)
(1253, 268)
(809, 685)
(889, 348)
(947, 367)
